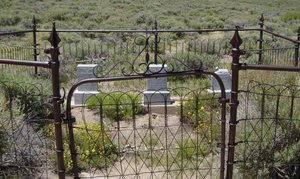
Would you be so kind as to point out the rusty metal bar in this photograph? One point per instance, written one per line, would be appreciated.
(150, 31)
(296, 55)
(16, 32)
(155, 42)
(56, 100)
(26, 63)
(72, 148)
(260, 41)
(223, 100)
(236, 41)
(245, 66)
(34, 43)
(280, 36)
(273, 49)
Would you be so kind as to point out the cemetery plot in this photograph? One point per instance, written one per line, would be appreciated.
(119, 135)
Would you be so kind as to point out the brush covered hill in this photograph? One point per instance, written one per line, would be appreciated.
(283, 16)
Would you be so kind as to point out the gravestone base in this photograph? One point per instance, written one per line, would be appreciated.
(227, 92)
(156, 92)
(157, 97)
(80, 97)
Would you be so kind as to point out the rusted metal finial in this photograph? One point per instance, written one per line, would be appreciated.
(262, 19)
(236, 40)
(155, 24)
(54, 38)
(33, 22)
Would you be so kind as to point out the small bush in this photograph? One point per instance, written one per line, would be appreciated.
(28, 94)
(288, 16)
(93, 146)
(116, 106)
(202, 111)
(9, 20)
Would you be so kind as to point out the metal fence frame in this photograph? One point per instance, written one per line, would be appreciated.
(57, 100)
(234, 102)
(236, 42)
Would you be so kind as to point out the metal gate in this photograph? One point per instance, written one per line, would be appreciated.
(125, 131)
(129, 138)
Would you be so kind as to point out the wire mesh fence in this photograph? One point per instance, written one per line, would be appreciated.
(118, 134)
(25, 114)
(268, 132)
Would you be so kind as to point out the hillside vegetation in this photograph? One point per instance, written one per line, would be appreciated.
(283, 16)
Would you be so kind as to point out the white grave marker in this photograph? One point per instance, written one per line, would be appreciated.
(156, 92)
(85, 71)
(226, 78)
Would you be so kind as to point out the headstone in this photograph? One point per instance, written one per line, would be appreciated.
(156, 92)
(226, 79)
(85, 71)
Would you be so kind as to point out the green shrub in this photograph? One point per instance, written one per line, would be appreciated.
(292, 15)
(201, 109)
(93, 146)
(27, 93)
(116, 106)
(9, 20)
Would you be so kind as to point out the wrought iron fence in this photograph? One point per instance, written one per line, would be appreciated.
(268, 132)
(25, 112)
(117, 135)
(27, 147)
(184, 145)
(263, 149)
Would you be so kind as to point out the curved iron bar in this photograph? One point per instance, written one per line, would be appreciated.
(279, 88)
(132, 69)
(143, 68)
(69, 119)
(168, 67)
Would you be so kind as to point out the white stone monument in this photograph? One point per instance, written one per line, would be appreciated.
(157, 92)
(226, 78)
(85, 71)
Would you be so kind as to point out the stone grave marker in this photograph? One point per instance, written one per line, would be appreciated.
(226, 78)
(85, 71)
(157, 92)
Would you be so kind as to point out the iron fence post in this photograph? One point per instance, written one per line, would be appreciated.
(260, 41)
(70, 121)
(155, 42)
(56, 100)
(35, 54)
(236, 41)
(223, 102)
(296, 56)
